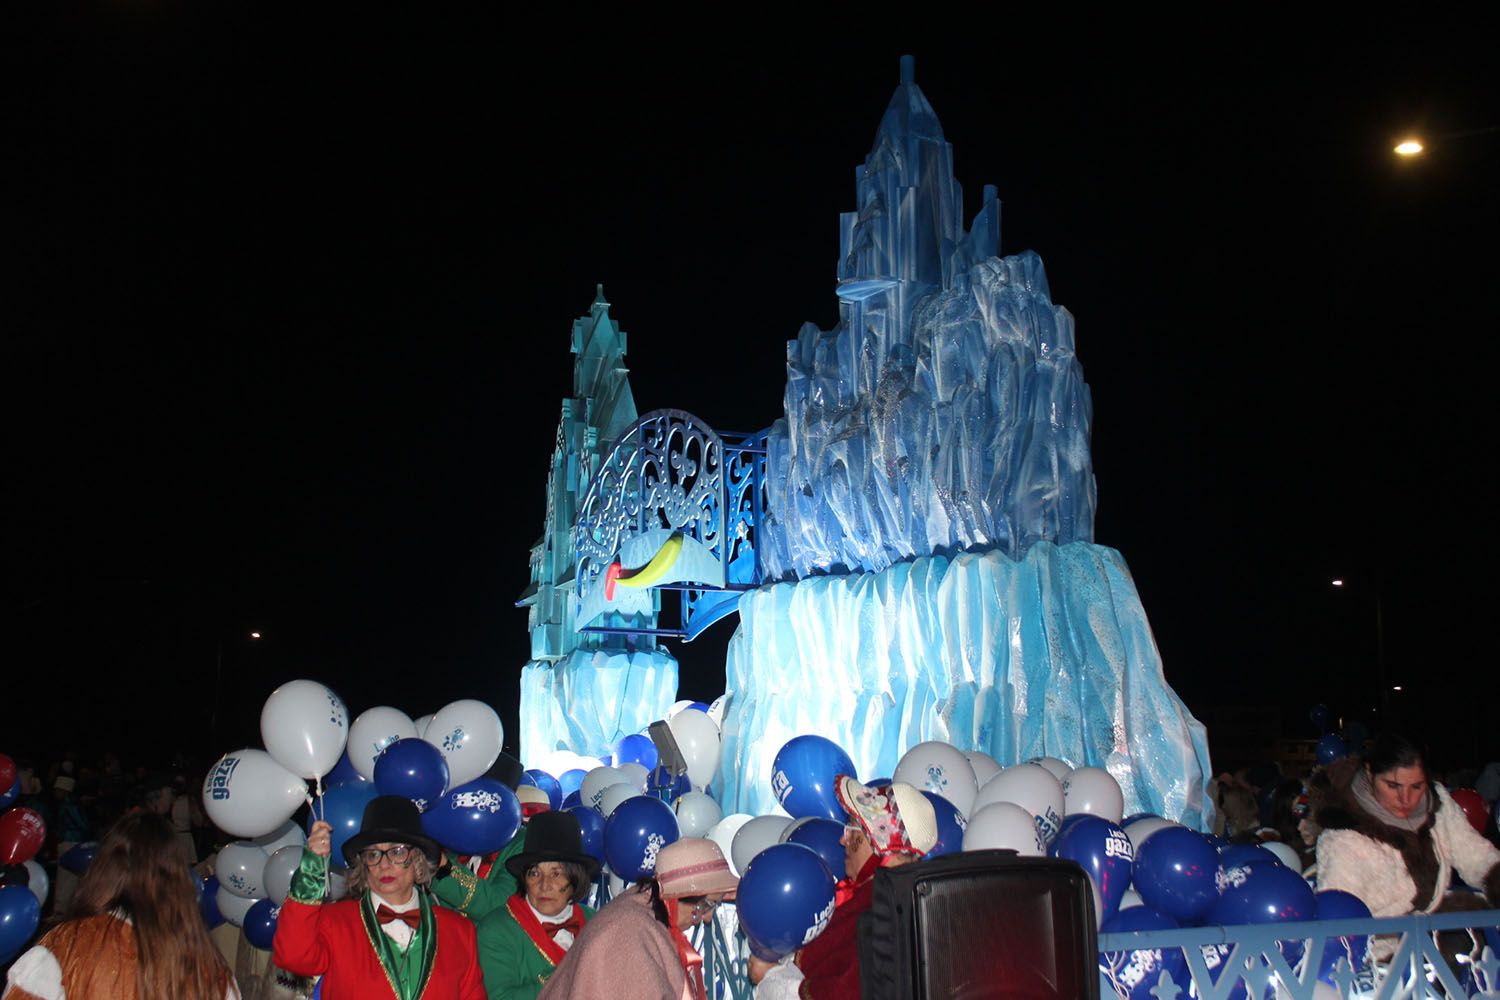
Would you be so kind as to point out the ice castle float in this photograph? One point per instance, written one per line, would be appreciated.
(910, 547)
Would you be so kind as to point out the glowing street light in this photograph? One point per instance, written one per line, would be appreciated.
(1408, 147)
(1337, 583)
(255, 635)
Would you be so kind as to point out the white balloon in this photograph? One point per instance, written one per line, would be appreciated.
(717, 709)
(1286, 853)
(1004, 825)
(374, 730)
(594, 784)
(634, 774)
(338, 882)
(1059, 769)
(1131, 898)
(241, 867)
(280, 867)
(985, 767)
(678, 706)
(1094, 791)
(421, 724)
(470, 735)
(305, 726)
(699, 740)
(233, 907)
(722, 833)
(793, 826)
(942, 769)
(610, 800)
(1145, 827)
(755, 836)
(697, 814)
(1033, 788)
(248, 794)
(285, 835)
(38, 882)
(617, 885)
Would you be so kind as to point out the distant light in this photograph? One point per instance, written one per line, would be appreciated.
(1396, 688)
(1338, 583)
(1408, 147)
(255, 635)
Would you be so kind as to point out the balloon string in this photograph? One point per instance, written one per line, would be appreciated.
(322, 813)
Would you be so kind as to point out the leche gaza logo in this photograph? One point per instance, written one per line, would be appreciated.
(781, 786)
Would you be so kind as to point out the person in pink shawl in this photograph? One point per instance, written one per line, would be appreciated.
(636, 947)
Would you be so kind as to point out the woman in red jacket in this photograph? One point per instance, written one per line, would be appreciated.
(388, 940)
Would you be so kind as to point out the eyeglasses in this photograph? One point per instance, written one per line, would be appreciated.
(401, 854)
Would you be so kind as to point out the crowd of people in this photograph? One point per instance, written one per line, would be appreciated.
(422, 922)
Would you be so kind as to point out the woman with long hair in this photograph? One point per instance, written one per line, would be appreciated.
(133, 930)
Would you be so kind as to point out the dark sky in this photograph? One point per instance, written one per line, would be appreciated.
(287, 308)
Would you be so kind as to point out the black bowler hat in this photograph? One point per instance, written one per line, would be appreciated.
(552, 836)
(391, 819)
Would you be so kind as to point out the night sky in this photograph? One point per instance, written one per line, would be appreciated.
(287, 306)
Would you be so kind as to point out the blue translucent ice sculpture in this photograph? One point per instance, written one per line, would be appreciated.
(590, 698)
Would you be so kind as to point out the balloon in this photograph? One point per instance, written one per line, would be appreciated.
(1335, 904)
(950, 825)
(613, 796)
(547, 783)
(803, 774)
(700, 743)
(338, 882)
(305, 727)
(663, 785)
(1476, 810)
(639, 828)
(343, 806)
(570, 782)
(1330, 748)
(823, 836)
(20, 914)
(1101, 849)
(342, 771)
(288, 834)
(784, 900)
(723, 833)
(1138, 972)
(1285, 853)
(636, 749)
(9, 797)
(941, 768)
(21, 835)
(78, 857)
(421, 723)
(755, 836)
(717, 709)
(1262, 894)
(985, 767)
(592, 825)
(1059, 769)
(595, 782)
(469, 734)
(280, 867)
(1144, 827)
(248, 794)
(208, 903)
(241, 867)
(573, 799)
(1034, 789)
(38, 882)
(1175, 872)
(374, 730)
(8, 773)
(233, 908)
(696, 813)
(635, 775)
(1093, 790)
(1004, 826)
(259, 923)
(476, 818)
(413, 769)
(678, 706)
(1244, 855)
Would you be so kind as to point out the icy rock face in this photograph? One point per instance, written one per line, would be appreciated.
(590, 698)
(1047, 655)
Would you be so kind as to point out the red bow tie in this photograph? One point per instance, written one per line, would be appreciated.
(572, 925)
(410, 917)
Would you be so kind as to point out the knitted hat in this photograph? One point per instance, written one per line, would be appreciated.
(897, 818)
(693, 866)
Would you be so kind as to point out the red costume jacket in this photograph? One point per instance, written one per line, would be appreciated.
(830, 961)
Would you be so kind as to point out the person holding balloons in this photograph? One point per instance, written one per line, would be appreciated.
(134, 928)
(522, 943)
(636, 948)
(888, 826)
(478, 885)
(389, 935)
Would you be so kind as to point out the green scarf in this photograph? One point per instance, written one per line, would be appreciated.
(407, 971)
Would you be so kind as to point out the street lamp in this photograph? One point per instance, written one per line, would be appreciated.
(1408, 147)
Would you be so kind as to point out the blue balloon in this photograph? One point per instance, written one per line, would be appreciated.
(1335, 904)
(634, 832)
(342, 771)
(20, 914)
(208, 903)
(1140, 971)
(259, 924)
(700, 707)
(413, 769)
(803, 774)
(1244, 855)
(950, 825)
(785, 898)
(636, 749)
(823, 836)
(479, 817)
(1102, 850)
(572, 799)
(571, 781)
(592, 825)
(343, 806)
(77, 858)
(1331, 748)
(541, 779)
(668, 788)
(1175, 872)
(11, 795)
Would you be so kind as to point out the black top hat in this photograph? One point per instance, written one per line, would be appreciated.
(391, 819)
(552, 836)
(507, 770)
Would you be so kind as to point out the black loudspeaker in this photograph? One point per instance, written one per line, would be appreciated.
(983, 924)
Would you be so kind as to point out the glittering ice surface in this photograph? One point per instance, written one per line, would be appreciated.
(592, 697)
(1048, 655)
